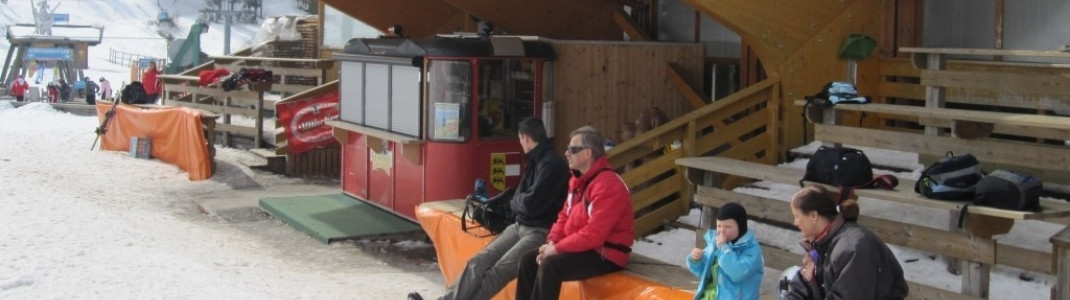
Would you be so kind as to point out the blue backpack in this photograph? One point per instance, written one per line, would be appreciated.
(836, 92)
(951, 178)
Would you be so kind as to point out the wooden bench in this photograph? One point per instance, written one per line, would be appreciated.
(644, 278)
(975, 245)
(1061, 261)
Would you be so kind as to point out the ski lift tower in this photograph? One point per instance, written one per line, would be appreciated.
(64, 46)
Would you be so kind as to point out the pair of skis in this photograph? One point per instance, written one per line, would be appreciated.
(103, 128)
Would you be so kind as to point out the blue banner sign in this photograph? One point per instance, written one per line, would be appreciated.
(61, 18)
(144, 61)
(33, 53)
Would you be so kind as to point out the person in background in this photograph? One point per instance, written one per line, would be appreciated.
(394, 31)
(151, 83)
(19, 87)
(731, 266)
(843, 260)
(105, 89)
(64, 90)
(53, 92)
(536, 201)
(90, 91)
(37, 68)
(594, 232)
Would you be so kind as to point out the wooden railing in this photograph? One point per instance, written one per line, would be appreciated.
(741, 126)
(295, 76)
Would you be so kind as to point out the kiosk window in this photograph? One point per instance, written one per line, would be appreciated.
(449, 87)
(506, 96)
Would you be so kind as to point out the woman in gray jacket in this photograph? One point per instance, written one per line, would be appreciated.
(844, 260)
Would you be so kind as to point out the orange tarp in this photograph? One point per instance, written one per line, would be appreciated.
(454, 247)
(176, 133)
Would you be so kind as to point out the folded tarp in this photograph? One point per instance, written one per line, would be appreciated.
(176, 132)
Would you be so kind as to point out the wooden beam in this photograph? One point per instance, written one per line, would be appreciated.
(621, 18)
(1012, 153)
(420, 18)
(696, 99)
(985, 52)
(1010, 119)
(559, 19)
(1011, 84)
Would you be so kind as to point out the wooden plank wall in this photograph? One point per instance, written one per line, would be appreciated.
(798, 42)
(609, 83)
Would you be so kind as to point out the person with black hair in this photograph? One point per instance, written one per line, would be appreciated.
(535, 202)
(843, 260)
(731, 266)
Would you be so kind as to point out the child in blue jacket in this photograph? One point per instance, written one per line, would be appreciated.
(731, 266)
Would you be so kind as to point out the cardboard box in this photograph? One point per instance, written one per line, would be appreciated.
(141, 147)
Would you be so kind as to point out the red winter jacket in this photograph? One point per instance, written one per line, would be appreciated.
(19, 87)
(150, 82)
(601, 214)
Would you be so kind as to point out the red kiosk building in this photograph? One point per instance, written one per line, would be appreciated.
(421, 120)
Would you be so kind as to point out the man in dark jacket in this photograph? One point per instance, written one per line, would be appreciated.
(535, 202)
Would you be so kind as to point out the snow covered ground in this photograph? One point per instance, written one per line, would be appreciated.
(90, 224)
(101, 225)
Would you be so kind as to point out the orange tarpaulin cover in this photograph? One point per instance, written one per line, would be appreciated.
(454, 247)
(177, 137)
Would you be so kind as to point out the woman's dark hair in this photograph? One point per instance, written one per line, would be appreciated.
(533, 128)
(817, 198)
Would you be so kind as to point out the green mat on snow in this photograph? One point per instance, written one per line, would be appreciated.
(336, 217)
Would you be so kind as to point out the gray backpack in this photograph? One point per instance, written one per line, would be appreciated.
(1009, 190)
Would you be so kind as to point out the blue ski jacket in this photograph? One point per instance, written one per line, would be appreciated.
(740, 267)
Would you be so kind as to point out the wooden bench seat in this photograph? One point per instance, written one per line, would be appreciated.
(979, 247)
(1058, 124)
(904, 193)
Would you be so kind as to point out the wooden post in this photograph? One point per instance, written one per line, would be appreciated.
(934, 95)
(227, 138)
(7, 65)
(1061, 254)
(688, 192)
(976, 276)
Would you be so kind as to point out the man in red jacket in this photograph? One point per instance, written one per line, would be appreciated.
(151, 83)
(19, 88)
(594, 231)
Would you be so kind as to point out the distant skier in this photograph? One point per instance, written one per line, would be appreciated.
(91, 91)
(105, 89)
(64, 90)
(19, 87)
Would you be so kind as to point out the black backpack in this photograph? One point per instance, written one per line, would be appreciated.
(494, 214)
(1009, 190)
(951, 178)
(133, 93)
(840, 166)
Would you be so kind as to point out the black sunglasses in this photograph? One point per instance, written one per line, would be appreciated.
(574, 149)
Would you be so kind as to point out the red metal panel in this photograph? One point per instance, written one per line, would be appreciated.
(380, 170)
(408, 192)
(450, 170)
(355, 166)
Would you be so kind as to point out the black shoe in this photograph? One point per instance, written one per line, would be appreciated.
(415, 296)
